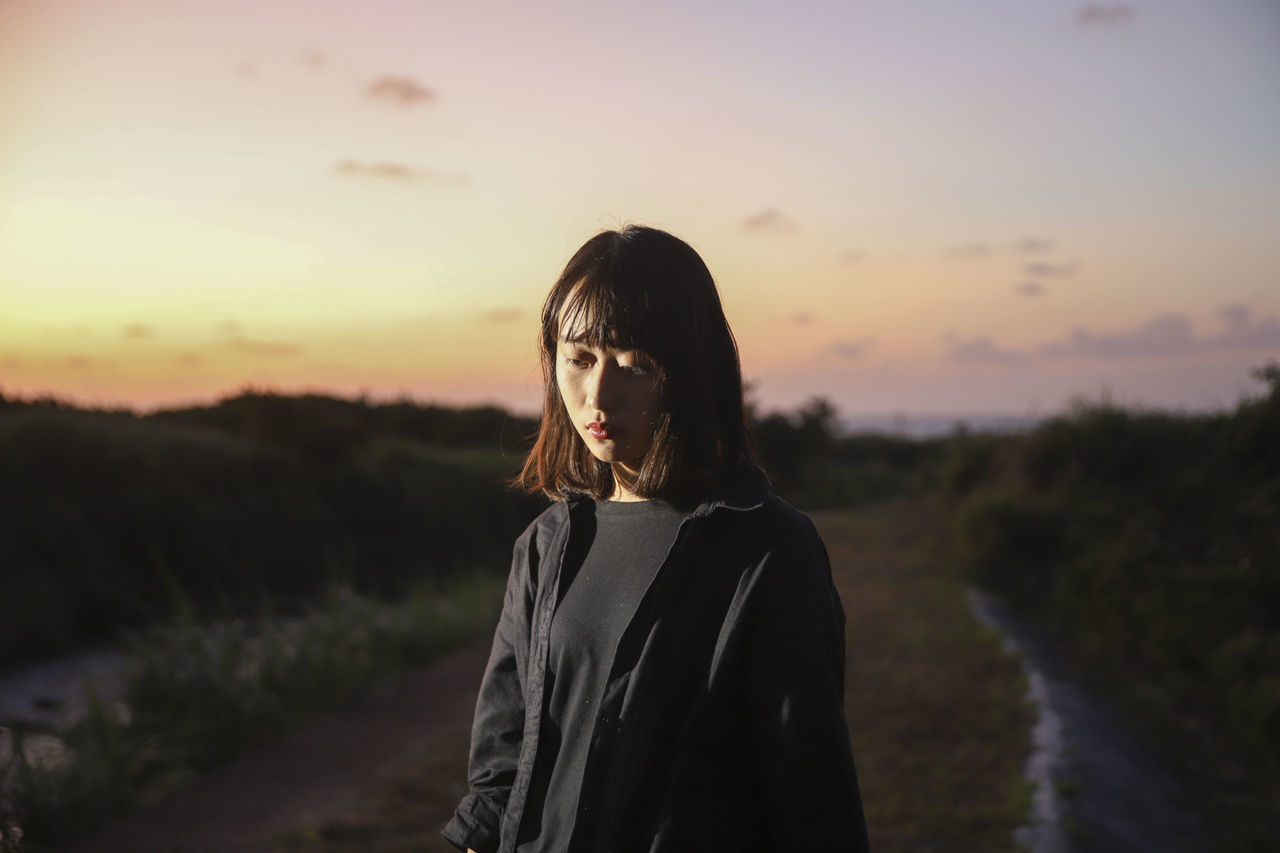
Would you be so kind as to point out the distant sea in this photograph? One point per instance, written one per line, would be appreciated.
(933, 426)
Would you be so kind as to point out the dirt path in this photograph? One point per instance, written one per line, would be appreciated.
(1100, 789)
(297, 786)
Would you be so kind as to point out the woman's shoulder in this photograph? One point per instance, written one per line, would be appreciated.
(778, 512)
(766, 531)
(548, 523)
(773, 515)
(779, 549)
(747, 495)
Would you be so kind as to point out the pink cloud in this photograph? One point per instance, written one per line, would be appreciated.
(1104, 15)
(400, 172)
(400, 89)
(770, 221)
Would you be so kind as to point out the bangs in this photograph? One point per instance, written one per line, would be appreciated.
(602, 310)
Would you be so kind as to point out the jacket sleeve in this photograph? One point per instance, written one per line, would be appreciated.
(498, 727)
(797, 732)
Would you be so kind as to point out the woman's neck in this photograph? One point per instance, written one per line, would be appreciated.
(624, 480)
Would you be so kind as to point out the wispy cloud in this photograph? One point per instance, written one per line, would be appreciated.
(136, 330)
(770, 221)
(387, 170)
(1040, 269)
(502, 315)
(852, 348)
(400, 89)
(1033, 245)
(1237, 317)
(1029, 288)
(1162, 336)
(1104, 15)
(190, 359)
(851, 256)
(1242, 331)
(982, 249)
(801, 318)
(982, 350)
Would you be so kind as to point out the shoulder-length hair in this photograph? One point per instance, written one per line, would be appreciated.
(642, 288)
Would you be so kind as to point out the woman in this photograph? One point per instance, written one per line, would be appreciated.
(668, 670)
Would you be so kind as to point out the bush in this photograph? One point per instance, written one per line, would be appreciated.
(110, 520)
(1150, 543)
(1010, 544)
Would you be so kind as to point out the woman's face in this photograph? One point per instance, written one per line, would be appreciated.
(612, 398)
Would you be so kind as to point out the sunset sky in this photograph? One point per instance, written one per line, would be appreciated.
(910, 207)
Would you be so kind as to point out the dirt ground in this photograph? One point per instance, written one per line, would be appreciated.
(303, 787)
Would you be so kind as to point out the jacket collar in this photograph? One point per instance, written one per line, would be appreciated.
(741, 490)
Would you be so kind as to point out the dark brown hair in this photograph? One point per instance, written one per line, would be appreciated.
(642, 288)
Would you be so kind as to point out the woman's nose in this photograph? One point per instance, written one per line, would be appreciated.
(602, 388)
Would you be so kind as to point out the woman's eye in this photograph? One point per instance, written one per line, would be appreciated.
(575, 361)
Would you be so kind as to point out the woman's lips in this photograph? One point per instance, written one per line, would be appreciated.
(598, 430)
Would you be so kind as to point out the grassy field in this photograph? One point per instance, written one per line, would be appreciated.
(936, 709)
(935, 706)
(199, 695)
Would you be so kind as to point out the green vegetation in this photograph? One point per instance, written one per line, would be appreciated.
(814, 466)
(196, 696)
(109, 519)
(1150, 545)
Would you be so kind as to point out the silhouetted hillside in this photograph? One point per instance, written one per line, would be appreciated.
(329, 429)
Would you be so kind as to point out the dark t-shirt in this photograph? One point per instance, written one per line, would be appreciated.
(627, 545)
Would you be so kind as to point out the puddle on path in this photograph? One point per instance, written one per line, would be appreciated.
(43, 699)
(1097, 788)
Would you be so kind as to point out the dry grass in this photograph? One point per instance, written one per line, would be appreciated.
(936, 709)
(939, 726)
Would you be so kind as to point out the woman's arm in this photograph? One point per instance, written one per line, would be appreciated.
(799, 736)
(498, 727)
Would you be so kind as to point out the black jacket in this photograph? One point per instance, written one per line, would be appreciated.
(722, 725)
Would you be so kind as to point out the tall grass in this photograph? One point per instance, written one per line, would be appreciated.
(198, 695)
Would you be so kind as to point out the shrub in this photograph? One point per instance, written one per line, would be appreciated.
(1151, 544)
